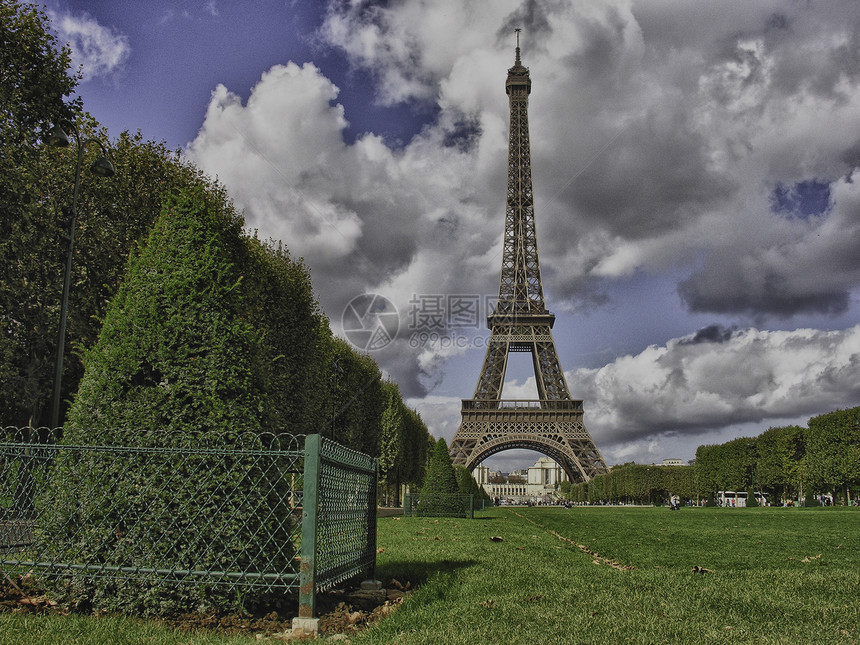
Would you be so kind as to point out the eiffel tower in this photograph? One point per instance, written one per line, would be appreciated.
(520, 322)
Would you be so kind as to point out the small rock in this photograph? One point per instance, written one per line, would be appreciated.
(367, 599)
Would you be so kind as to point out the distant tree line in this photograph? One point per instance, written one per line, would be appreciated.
(789, 462)
(633, 483)
(786, 463)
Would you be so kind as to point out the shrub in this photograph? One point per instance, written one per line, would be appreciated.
(176, 363)
(440, 494)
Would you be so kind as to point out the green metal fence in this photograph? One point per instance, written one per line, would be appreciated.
(301, 510)
(440, 505)
(338, 518)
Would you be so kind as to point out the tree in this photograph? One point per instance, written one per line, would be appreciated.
(391, 440)
(279, 297)
(467, 485)
(416, 442)
(355, 398)
(403, 441)
(726, 466)
(33, 85)
(833, 451)
(34, 78)
(779, 469)
(112, 216)
(440, 492)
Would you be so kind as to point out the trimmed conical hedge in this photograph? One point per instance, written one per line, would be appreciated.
(178, 364)
(440, 494)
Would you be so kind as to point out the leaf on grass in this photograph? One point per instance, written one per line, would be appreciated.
(487, 603)
(497, 538)
(698, 569)
(810, 558)
(380, 549)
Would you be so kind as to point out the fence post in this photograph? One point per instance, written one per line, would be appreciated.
(371, 518)
(471, 507)
(310, 505)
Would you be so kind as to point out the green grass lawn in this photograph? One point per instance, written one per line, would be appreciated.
(586, 575)
(774, 576)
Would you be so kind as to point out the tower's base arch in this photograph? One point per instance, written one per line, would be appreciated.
(554, 428)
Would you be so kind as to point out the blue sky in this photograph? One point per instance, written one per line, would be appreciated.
(695, 171)
(172, 55)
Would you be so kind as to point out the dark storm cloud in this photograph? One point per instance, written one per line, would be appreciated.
(710, 334)
(737, 292)
(532, 16)
(656, 176)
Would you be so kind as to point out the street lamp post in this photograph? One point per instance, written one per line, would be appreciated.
(101, 167)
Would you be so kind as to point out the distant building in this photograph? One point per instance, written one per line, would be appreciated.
(539, 483)
(671, 462)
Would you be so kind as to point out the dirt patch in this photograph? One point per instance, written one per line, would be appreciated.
(342, 611)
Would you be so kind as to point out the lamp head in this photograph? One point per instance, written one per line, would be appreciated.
(102, 167)
(57, 137)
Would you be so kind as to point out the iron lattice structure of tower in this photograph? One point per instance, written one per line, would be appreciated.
(553, 423)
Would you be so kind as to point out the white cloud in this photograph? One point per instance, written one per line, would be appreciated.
(364, 216)
(97, 49)
(720, 378)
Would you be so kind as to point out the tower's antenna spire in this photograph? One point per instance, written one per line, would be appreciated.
(518, 45)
